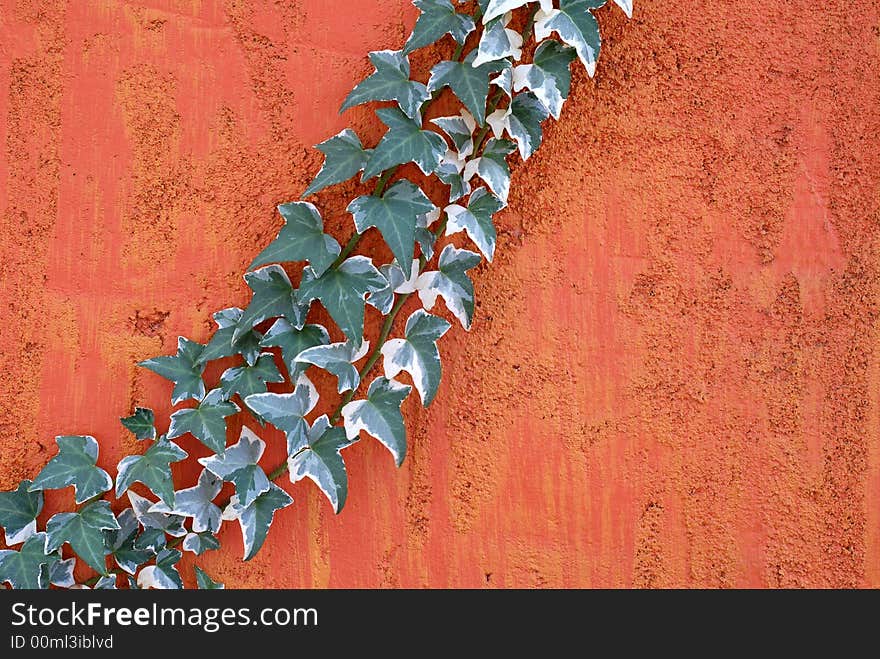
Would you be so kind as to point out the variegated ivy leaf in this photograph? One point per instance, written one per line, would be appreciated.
(548, 76)
(337, 359)
(404, 142)
(199, 543)
(287, 411)
(18, 512)
(204, 582)
(498, 42)
(344, 156)
(274, 297)
(460, 130)
(239, 466)
(395, 214)
(627, 7)
(426, 241)
(302, 238)
(342, 292)
(106, 583)
(74, 465)
(163, 575)
(504, 80)
(476, 220)
(468, 80)
(522, 121)
(390, 82)
(121, 543)
(450, 174)
(248, 380)
(61, 573)
(498, 8)
(27, 568)
(576, 26)
(492, 167)
(151, 540)
(437, 18)
(207, 422)
(153, 469)
(197, 502)
(256, 518)
(293, 341)
(147, 516)
(183, 369)
(222, 345)
(318, 458)
(84, 532)
(383, 300)
(379, 415)
(141, 423)
(417, 353)
(451, 283)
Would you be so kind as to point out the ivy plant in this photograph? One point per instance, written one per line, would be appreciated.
(504, 98)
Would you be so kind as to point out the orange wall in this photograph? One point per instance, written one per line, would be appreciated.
(671, 379)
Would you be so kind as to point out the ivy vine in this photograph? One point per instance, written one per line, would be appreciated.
(503, 105)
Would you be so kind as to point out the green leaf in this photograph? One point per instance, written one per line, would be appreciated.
(395, 214)
(344, 156)
(239, 465)
(141, 423)
(163, 575)
(318, 458)
(222, 345)
(498, 42)
(61, 573)
(548, 76)
(197, 502)
(274, 297)
(182, 369)
(106, 583)
(576, 26)
(84, 532)
(74, 465)
(417, 353)
(149, 518)
(497, 8)
(27, 568)
(18, 512)
(199, 543)
(437, 18)
(204, 582)
(151, 540)
(342, 291)
(287, 411)
(152, 469)
(247, 380)
(256, 518)
(492, 167)
(450, 175)
(476, 220)
(404, 142)
(302, 238)
(338, 359)
(293, 341)
(384, 300)
(451, 283)
(522, 120)
(207, 422)
(121, 543)
(390, 82)
(460, 130)
(504, 80)
(470, 83)
(379, 415)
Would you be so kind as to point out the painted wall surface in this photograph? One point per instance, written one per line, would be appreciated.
(672, 377)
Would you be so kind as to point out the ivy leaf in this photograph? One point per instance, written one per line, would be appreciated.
(548, 76)
(141, 423)
(293, 341)
(153, 469)
(390, 82)
(106, 583)
(61, 573)
(302, 238)
(522, 120)
(182, 369)
(27, 568)
(256, 518)
(247, 380)
(163, 575)
(344, 156)
(395, 214)
(342, 291)
(197, 502)
(318, 458)
(18, 512)
(504, 80)
(576, 26)
(84, 532)
(239, 465)
(274, 297)
(199, 543)
(204, 582)
(627, 7)
(149, 518)
(151, 540)
(338, 359)
(437, 18)
(379, 415)
(451, 282)
(498, 8)
(207, 422)
(74, 465)
(460, 130)
(222, 345)
(287, 411)
(476, 220)
(417, 353)
(384, 300)
(469, 81)
(450, 175)
(121, 543)
(492, 167)
(404, 142)
(498, 42)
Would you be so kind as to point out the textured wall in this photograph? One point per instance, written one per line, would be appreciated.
(672, 378)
